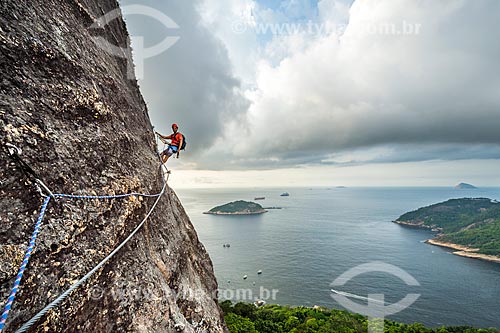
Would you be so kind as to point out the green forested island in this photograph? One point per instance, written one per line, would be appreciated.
(239, 207)
(471, 226)
(246, 318)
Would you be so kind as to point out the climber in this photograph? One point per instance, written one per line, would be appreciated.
(178, 142)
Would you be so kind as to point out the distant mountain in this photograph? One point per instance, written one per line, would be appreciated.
(465, 186)
(469, 225)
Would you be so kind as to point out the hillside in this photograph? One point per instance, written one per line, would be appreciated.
(246, 318)
(84, 128)
(470, 223)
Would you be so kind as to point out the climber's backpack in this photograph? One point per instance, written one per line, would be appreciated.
(183, 141)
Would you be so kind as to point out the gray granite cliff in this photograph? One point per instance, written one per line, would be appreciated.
(84, 128)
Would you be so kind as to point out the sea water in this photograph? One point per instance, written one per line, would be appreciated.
(322, 233)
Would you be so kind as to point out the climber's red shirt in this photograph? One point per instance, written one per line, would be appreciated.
(176, 139)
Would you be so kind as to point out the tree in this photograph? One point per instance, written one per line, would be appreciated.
(238, 324)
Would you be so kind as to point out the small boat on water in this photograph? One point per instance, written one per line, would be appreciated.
(245, 277)
(286, 194)
(226, 245)
(258, 303)
(259, 272)
(259, 198)
(346, 294)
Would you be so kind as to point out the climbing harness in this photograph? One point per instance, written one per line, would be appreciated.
(165, 143)
(14, 152)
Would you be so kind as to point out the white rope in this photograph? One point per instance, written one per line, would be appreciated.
(65, 294)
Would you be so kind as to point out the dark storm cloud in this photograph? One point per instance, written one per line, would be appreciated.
(191, 83)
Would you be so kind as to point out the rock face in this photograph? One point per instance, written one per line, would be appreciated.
(84, 128)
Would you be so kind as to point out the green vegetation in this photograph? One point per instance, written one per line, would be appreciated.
(473, 223)
(485, 235)
(246, 318)
(238, 207)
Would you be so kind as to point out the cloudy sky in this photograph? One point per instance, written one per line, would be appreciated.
(328, 92)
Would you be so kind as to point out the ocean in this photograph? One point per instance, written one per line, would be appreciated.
(322, 233)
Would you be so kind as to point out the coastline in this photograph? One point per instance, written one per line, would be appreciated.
(236, 213)
(464, 251)
(419, 225)
(460, 250)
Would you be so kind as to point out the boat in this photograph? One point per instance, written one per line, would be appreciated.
(346, 294)
(259, 198)
(245, 277)
(338, 292)
(258, 303)
(285, 194)
(259, 272)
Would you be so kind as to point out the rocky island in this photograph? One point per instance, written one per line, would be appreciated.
(239, 207)
(469, 226)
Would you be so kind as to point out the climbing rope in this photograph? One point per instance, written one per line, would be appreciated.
(27, 256)
(14, 152)
(74, 286)
(118, 196)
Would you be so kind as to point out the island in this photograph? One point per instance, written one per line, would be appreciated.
(465, 186)
(471, 226)
(239, 207)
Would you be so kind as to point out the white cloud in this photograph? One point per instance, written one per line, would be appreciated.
(329, 96)
(334, 12)
(232, 22)
(298, 9)
(440, 86)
